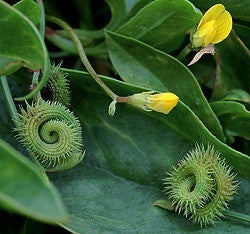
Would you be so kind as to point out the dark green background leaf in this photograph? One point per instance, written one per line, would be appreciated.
(239, 9)
(243, 32)
(234, 69)
(234, 118)
(140, 64)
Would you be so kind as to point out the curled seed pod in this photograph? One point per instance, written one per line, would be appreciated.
(52, 135)
(57, 87)
(201, 185)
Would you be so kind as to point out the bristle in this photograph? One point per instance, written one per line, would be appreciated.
(202, 185)
(46, 117)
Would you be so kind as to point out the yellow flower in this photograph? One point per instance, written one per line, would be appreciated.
(213, 28)
(163, 102)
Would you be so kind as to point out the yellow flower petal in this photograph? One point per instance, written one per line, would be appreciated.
(214, 27)
(163, 102)
(224, 26)
(212, 14)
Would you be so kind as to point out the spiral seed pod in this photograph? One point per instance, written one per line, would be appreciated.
(52, 135)
(57, 87)
(201, 185)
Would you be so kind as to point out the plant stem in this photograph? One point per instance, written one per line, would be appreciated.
(42, 33)
(46, 65)
(184, 53)
(82, 54)
(237, 215)
(9, 99)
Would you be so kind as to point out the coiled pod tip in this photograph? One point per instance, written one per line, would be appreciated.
(51, 133)
(201, 185)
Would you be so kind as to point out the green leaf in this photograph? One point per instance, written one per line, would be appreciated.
(9, 66)
(127, 156)
(30, 9)
(238, 9)
(136, 132)
(238, 95)
(233, 71)
(243, 32)
(156, 24)
(140, 64)
(24, 190)
(100, 202)
(28, 47)
(234, 117)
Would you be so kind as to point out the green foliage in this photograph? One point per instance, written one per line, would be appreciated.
(140, 64)
(233, 69)
(234, 118)
(156, 23)
(239, 10)
(29, 41)
(25, 190)
(140, 46)
(30, 9)
(144, 146)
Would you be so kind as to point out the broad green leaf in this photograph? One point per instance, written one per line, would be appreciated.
(243, 32)
(238, 9)
(28, 47)
(138, 132)
(127, 156)
(24, 190)
(233, 71)
(234, 117)
(156, 24)
(136, 6)
(30, 9)
(140, 64)
(100, 202)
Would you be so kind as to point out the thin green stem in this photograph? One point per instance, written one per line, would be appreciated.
(35, 78)
(82, 54)
(184, 53)
(237, 215)
(46, 65)
(42, 33)
(8, 98)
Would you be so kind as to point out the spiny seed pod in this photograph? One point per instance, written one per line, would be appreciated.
(57, 87)
(201, 185)
(52, 135)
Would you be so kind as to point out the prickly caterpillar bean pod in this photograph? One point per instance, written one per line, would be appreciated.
(57, 86)
(52, 135)
(201, 185)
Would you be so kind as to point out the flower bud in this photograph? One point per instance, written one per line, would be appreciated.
(163, 102)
